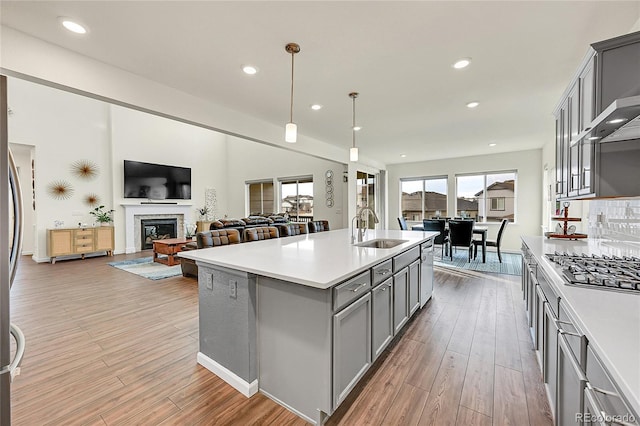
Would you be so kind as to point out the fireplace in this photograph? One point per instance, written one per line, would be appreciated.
(157, 229)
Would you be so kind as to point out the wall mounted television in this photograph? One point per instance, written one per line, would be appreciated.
(156, 181)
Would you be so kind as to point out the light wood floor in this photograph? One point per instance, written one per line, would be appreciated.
(107, 347)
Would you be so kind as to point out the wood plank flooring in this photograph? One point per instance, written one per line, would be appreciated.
(106, 347)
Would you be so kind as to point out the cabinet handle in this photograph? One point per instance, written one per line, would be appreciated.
(590, 394)
(562, 341)
(359, 287)
(383, 272)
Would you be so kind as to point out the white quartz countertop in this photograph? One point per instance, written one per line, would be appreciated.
(319, 260)
(609, 319)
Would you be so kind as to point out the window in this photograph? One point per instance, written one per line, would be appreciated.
(366, 196)
(423, 198)
(474, 193)
(497, 203)
(261, 197)
(296, 198)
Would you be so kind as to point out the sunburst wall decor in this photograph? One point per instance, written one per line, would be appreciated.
(84, 169)
(92, 199)
(60, 190)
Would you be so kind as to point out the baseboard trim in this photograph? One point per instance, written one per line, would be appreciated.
(239, 384)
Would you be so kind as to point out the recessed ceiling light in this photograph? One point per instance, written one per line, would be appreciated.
(594, 138)
(316, 107)
(72, 26)
(473, 104)
(462, 63)
(356, 128)
(492, 144)
(403, 155)
(616, 120)
(249, 69)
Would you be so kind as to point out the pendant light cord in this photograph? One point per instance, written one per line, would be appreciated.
(291, 108)
(353, 126)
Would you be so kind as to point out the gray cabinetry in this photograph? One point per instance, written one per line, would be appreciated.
(414, 287)
(570, 383)
(602, 399)
(617, 69)
(351, 346)
(400, 293)
(382, 317)
(585, 167)
(351, 289)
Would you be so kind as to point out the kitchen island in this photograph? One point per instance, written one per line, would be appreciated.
(303, 318)
(587, 339)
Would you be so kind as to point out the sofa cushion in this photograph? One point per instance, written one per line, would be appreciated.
(291, 229)
(260, 233)
(216, 238)
(318, 226)
(257, 220)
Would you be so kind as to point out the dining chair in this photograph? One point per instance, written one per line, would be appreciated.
(461, 235)
(438, 225)
(403, 224)
(490, 243)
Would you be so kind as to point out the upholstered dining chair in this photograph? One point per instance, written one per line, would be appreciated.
(438, 225)
(461, 235)
(491, 243)
(403, 224)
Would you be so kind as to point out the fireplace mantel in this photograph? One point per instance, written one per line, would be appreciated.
(133, 212)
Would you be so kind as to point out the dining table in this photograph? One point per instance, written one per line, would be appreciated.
(477, 230)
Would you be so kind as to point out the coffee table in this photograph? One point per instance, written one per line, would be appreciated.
(170, 247)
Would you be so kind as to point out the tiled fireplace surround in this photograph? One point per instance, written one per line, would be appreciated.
(134, 213)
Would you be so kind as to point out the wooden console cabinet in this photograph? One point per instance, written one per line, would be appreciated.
(69, 241)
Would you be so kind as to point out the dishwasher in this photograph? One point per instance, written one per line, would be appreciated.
(426, 272)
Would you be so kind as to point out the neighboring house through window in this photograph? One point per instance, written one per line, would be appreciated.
(486, 197)
(423, 198)
(296, 198)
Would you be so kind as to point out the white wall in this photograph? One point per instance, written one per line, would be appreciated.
(22, 157)
(144, 137)
(252, 161)
(64, 128)
(528, 187)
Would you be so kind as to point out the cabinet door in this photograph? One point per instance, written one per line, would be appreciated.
(382, 317)
(60, 242)
(351, 346)
(571, 381)
(400, 293)
(550, 355)
(572, 135)
(587, 82)
(587, 155)
(414, 287)
(104, 238)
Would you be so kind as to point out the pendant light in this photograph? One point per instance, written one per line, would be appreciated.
(353, 152)
(291, 130)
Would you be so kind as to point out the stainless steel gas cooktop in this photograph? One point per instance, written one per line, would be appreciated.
(602, 272)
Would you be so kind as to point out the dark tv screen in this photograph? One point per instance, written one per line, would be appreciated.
(156, 181)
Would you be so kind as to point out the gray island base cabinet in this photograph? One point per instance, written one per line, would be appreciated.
(305, 346)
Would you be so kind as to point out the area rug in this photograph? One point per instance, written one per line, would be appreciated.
(146, 267)
(511, 263)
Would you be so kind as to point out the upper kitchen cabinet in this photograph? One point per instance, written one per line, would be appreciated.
(598, 124)
(618, 69)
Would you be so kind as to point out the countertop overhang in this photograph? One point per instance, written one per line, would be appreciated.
(609, 319)
(319, 260)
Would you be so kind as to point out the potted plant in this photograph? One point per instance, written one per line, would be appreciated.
(203, 211)
(102, 216)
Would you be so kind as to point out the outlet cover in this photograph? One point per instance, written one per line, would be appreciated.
(233, 288)
(209, 281)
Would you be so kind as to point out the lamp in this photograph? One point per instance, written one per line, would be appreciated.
(291, 130)
(353, 152)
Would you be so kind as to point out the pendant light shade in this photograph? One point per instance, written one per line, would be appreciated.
(291, 130)
(353, 152)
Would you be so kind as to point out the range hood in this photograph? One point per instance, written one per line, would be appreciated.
(620, 121)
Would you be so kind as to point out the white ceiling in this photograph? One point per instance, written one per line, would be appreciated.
(398, 55)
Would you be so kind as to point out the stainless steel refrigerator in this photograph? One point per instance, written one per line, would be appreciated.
(10, 246)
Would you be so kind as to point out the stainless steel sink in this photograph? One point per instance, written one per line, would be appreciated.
(381, 243)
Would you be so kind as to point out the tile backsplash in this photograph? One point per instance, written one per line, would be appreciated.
(617, 220)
